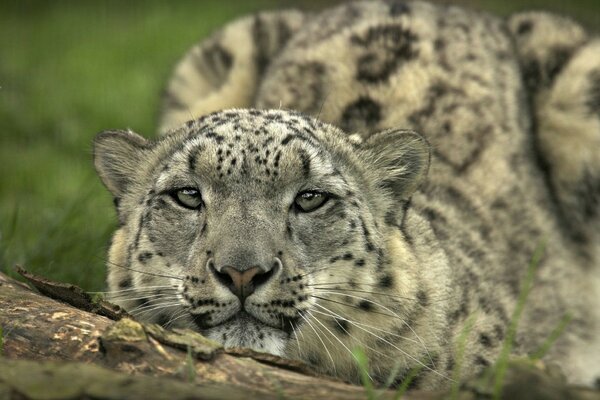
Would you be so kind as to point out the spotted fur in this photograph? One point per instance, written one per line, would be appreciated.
(419, 233)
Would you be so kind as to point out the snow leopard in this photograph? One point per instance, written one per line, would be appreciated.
(376, 176)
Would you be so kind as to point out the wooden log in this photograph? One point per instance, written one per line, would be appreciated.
(77, 348)
(39, 328)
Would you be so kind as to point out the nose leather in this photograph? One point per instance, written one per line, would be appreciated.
(242, 285)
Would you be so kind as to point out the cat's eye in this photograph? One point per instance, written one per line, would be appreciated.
(188, 198)
(310, 200)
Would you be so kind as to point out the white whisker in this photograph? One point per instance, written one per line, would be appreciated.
(151, 313)
(136, 289)
(297, 340)
(322, 286)
(368, 326)
(392, 312)
(177, 315)
(321, 340)
(336, 338)
(360, 342)
(141, 297)
(152, 305)
(145, 272)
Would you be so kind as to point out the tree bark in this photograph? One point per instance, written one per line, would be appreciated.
(77, 348)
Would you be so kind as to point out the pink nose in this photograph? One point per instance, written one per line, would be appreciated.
(243, 283)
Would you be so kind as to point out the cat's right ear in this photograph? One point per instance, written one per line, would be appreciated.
(117, 156)
(401, 157)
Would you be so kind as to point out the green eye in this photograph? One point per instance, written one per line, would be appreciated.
(310, 200)
(188, 198)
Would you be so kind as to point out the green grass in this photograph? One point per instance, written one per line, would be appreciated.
(363, 368)
(502, 362)
(552, 338)
(460, 345)
(403, 388)
(70, 69)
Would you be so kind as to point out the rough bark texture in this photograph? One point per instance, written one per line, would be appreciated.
(48, 348)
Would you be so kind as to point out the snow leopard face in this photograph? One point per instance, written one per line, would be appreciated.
(244, 223)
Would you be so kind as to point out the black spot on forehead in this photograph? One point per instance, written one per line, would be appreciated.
(296, 136)
(305, 163)
(234, 115)
(216, 137)
(192, 161)
(255, 123)
(232, 133)
(254, 113)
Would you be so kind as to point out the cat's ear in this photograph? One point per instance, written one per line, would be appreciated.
(400, 160)
(117, 156)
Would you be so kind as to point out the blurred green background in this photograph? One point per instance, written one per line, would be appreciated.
(69, 69)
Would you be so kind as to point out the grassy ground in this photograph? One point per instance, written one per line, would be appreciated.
(70, 69)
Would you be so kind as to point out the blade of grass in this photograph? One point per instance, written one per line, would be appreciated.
(393, 374)
(553, 337)
(407, 381)
(502, 363)
(363, 368)
(461, 344)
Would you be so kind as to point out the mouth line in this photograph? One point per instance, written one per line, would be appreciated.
(287, 324)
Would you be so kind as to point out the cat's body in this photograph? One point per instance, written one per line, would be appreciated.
(387, 260)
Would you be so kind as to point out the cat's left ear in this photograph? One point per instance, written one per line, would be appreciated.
(400, 160)
(118, 155)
